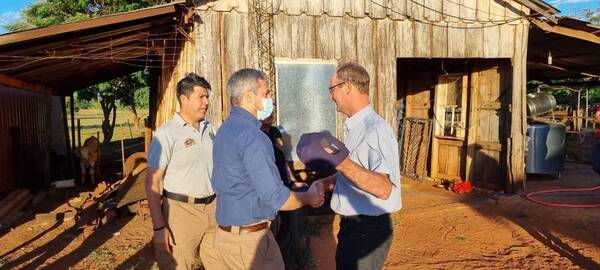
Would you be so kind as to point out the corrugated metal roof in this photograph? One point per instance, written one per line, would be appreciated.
(70, 56)
(395, 9)
(378, 9)
(567, 49)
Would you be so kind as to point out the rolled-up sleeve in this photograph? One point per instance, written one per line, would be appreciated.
(382, 153)
(160, 151)
(258, 156)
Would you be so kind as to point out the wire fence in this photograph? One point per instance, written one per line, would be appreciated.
(413, 143)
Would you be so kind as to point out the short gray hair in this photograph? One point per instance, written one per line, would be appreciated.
(241, 81)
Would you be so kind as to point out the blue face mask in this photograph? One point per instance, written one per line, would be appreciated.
(267, 109)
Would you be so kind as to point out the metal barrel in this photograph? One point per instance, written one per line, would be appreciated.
(540, 103)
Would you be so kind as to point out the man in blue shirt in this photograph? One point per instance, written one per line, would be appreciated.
(246, 180)
(366, 188)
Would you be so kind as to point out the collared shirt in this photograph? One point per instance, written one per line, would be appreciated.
(373, 146)
(245, 178)
(185, 153)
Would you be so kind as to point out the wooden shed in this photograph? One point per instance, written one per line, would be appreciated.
(456, 67)
(40, 68)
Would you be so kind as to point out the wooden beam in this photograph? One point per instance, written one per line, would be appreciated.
(578, 34)
(561, 65)
(539, 10)
(92, 38)
(85, 24)
(9, 81)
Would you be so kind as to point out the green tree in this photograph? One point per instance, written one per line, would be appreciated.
(51, 12)
(591, 15)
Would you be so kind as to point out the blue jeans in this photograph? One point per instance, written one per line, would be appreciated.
(363, 242)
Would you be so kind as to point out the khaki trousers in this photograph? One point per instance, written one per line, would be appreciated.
(193, 226)
(257, 250)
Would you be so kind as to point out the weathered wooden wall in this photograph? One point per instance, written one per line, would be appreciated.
(373, 33)
(177, 62)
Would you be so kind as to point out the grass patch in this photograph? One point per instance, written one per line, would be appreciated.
(461, 238)
(102, 259)
(91, 124)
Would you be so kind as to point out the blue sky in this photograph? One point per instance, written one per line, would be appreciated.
(9, 9)
(570, 7)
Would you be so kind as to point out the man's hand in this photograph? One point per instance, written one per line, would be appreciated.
(316, 194)
(163, 240)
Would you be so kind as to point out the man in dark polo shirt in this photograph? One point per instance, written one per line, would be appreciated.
(180, 160)
(246, 180)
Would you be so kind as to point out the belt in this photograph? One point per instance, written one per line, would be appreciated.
(188, 199)
(246, 228)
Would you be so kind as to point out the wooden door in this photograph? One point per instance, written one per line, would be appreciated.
(418, 95)
(450, 116)
(489, 126)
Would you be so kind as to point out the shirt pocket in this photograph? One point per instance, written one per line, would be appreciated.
(184, 156)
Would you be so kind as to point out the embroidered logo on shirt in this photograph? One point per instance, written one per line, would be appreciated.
(189, 142)
(211, 135)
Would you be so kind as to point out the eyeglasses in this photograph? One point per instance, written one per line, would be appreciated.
(333, 87)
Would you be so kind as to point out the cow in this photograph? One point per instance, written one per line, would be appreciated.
(89, 159)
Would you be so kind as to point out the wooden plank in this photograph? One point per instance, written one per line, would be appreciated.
(451, 10)
(293, 7)
(468, 10)
(336, 8)
(436, 161)
(386, 72)
(514, 9)
(507, 37)
(378, 9)
(472, 132)
(208, 62)
(497, 11)
(404, 38)
(357, 8)
(250, 57)
(398, 9)
(491, 38)
(302, 36)
(490, 145)
(439, 43)
(348, 40)
(329, 30)
(282, 43)
(539, 10)
(366, 47)
(453, 162)
(13, 82)
(442, 166)
(474, 41)
(416, 9)
(422, 40)
(232, 60)
(518, 114)
(583, 35)
(456, 40)
(483, 10)
(315, 7)
(432, 12)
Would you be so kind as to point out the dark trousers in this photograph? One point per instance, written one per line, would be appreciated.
(363, 242)
(596, 158)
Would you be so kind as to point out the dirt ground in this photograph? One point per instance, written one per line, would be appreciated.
(436, 229)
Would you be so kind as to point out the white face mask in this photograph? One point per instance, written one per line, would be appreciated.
(267, 109)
